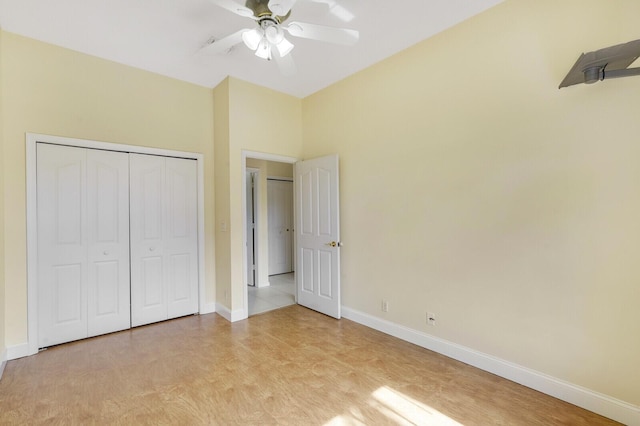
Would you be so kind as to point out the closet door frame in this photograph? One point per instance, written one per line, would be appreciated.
(32, 139)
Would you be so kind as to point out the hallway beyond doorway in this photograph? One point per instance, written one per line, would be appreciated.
(280, 293)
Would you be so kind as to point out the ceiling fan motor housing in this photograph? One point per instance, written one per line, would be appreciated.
(261, 10)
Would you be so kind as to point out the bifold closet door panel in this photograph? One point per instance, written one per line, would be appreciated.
(148, 269)
(83, 243)
(181, 243)
(62, 244)
(164, 270)
(108, 296)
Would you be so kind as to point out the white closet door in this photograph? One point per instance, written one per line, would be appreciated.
(82, 214)
(148, 287)
(280, 219)
(164, 271)
(181, 242)
(108, 234)
(62, 244)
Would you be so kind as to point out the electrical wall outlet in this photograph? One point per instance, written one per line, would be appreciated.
(384, 306)
(431, 318)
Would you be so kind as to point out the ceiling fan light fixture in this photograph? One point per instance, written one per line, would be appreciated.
(252, 38)
(284, 47)
(264, 50)
(274, 34)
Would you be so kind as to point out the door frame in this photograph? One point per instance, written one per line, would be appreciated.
(32, 234)
(255, 190)
(258, 156)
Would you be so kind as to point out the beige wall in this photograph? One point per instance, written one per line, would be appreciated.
(2, 281)
(260, 120)
(222, 236)
(56, 91)
(473, 188)
(277, 169)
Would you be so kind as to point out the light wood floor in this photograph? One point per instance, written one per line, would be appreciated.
(289, 366)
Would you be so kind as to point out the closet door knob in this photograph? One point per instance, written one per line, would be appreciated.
(106, 253)
(152, 248)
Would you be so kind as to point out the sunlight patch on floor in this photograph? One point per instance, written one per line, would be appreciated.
(398, 408)
(406, 410)
(344, 421)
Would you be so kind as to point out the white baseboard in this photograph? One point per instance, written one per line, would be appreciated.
(207, 308)
(262, 284)
(18, 351)
(3, 362)
(585, 398)
(231, 316)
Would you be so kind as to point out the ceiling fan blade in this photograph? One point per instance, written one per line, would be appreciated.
(224, 44)
(234, 7)
(343, 36)
(337, 10)
(286, 64)
(281, 7)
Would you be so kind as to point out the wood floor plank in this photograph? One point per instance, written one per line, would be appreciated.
(291, 366)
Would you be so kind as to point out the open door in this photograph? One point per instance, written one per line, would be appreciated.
(317, 233)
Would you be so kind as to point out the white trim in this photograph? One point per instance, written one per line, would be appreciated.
(590, 400)
(3, 362)
(256, 226)
(32, 248)
(262, 284)
(202, 302)
(18, 351)
(237, 315)
(266, 156)
(258, 156)
(32, 236)
(207, 308)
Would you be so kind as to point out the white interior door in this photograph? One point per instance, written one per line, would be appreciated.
(83, 259)
(280, 220)
(164, 243)
(317, 232)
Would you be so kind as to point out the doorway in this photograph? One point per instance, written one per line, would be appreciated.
(269, 248)
(317, 231)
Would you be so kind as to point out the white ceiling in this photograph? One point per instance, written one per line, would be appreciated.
(164, 36)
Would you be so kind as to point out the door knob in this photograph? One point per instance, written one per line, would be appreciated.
(152, 248)
(106, 253)
(331, 244)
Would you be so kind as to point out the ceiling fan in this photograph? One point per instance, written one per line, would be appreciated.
(267, 37)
